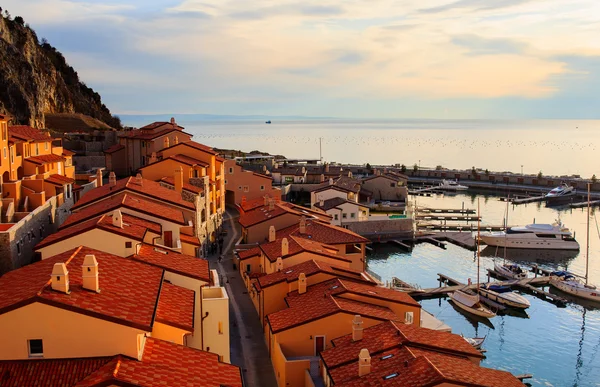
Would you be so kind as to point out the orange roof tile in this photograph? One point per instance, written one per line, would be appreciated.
(59, 180)
(157, 124)
(195, 145)
(147, 187)
(252, 204)
(253, 252)
(66, 152)
(129, 201)
(188, 160)
(45, 159)
(141, 134)
(114, 148)
(186, 187)
(129, 289)
(176, 307)
(27, 133)
(133, 227)
(380, 292)
(189, 239)
(174, 262)
(263, 213)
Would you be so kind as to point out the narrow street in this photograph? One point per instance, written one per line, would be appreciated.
(248, 348)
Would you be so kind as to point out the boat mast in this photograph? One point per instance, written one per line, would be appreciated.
(478, 239)
(587, 242)
(506, 228)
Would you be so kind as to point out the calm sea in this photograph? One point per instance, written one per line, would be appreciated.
(559, 147)
(559, 346)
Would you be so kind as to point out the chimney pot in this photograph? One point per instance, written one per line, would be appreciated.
(302, 283)
(357, 328)
(90, 273)
(271, 204)
(172, 121)
(178, 179)
(326, 167)
(98, 178)
(364, 362)
(153, 158)
(266, 198)
(279, 264)
(117, 219)
(322, 178)
(60, 278)
(112, 179)
(285, 247)
(272, 234)
(303, 225)
(330, 181)
(138, 179)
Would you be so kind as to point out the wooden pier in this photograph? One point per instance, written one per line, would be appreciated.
(532, 199)
(464, 211)
(454, 218)
(462, 239)
(585, 204)
(457, 227)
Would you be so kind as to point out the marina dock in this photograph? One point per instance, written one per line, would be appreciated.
(463, 211)
(454, 218)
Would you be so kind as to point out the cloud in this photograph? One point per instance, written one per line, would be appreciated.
(478, 45)
(476, 5)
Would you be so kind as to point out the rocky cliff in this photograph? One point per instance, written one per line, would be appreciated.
(36, 79)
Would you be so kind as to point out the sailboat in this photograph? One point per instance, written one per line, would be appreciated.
(509, 271)
(568, 282)
(471, 302)
(505, 296)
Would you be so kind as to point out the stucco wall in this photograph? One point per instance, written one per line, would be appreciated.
(95, 239)
(166, 332)
(382, 189)
(215, 307)
(380, 226)
(260, 231)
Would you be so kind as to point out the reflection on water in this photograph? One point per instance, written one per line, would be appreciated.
(550, 344)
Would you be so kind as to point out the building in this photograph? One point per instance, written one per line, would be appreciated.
(111, 305)
(246, 185)
(388, 186)
(343, 210)
(396, 354)
(318, 313)
(344, 187)
(135, 147)
(256, 218)
(285, 175)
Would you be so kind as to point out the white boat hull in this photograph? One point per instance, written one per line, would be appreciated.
(576, 289)
(529, 243)
(509, 299)
(506, 272)
(477, 309)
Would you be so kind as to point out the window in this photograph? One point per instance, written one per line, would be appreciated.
(127, 245)
(246, 188)
(225, 181)
(143, 160)
(46, 146)
(220, 327)
(239, 188)
(37, 149)
(36, 347)
(352, 215)
(344, 215)
(18, 248)
(392, 185)
(335, 216)
(230, 170)
(143, 144)
(4, 152)
(248, 268)
(262, 187)
(12, 154)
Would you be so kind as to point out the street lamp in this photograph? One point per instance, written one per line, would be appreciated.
(521, 169)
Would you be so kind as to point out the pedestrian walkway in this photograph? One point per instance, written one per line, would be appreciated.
(248, 348)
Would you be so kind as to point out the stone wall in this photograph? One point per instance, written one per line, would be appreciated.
(380, 227)
(85, 163)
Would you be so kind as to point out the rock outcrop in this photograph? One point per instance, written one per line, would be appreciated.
(36, 79)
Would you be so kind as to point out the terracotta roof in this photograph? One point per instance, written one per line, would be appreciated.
(322, 232)
(174, 262)
(188, 160)
(186, 187)
(309, 268)
(129, 289)
(59, 180)
(147, 187)
(189, 239)
(262, 214)
(133, 227)
(27, 133)
(114, 148)
(66, 152)
(5, 226)
(343, 183)
(195, 145)
(253, 252)
(261, 175)
(252, 204)
(45, 159)
(335, 202)
(167, 364)
(176, 307)
(389, 335)
(319, 301)
(141, 134)
(384, 176)
(130, 201)
(157, 124)
(48, 372)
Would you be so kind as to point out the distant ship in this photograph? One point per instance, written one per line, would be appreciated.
(268, 122)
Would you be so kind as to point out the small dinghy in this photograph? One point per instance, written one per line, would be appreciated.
(471, 303)
(504, 295)
(476, 342)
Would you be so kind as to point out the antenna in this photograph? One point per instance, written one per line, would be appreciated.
(478, 241)
(320, 150)
(587, 242)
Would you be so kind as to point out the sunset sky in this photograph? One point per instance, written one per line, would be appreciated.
(351, 58)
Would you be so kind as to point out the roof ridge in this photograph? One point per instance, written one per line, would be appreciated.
(49, 282)
(117, 367)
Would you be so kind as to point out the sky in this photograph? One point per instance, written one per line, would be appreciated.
(353, 58)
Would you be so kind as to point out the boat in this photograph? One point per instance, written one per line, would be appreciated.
(451, 185)
(562, 190)
(533, 236)
(571, 284)
(504, 295)
(509, 270)
(268, 122)
(476, 342)
(471, 303)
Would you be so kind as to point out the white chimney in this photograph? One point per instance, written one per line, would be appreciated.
(322, 178)
(364, 362)
(303, 225)
(321, 203)
(279, 264)
(302, 283)
(272, 234)
(60, 278)
(112, 179)
(330, 181)
(138, 179)
(90, 273)
(98, 178)
(349, 173)
(285, 247)
(303, 170)
(326, 167)
(117, 219)
(357, 328)
(271, 204)
(173, 121)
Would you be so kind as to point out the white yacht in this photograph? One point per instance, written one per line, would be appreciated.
(568, 283)
(562, 190)
(451, 185)
(533, 236)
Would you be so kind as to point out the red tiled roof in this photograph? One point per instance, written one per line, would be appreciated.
(174, 262)
(335, 202)
(263, 176)
(59, 180)
(132, 202)
(195, 145)
(167, 364)
(250, 205)
(45, 159)
(188, 160)
(147, 187)
(157, 124)
(380, 292)
(319, 301)
(263, 213)
(253, 252)
(189, 239)
(186, 187)
(27, 133)
(5, 226)
(48, 372)
(66, 152)
(114, 148)
(129, 289)
(141, 134)
(133, 227)
(176, 307)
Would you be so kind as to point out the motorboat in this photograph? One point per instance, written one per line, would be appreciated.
(471, 303)
(508, 270)
(504, 295)
(562, 190)
(452, 185)
(268, 122)
(476, 342)
(533, 236)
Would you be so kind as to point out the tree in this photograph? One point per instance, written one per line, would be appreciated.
(19, 20)
(415, 168)
(539, 175)
(439, 168)
(594, 179)
(487, 172)
(473, 171)
(403, 168)
(368, 166)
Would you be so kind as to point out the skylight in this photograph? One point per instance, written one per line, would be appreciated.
(372, 292)
(387, 357)
(335, 286)
(288, 272)
(390, 376)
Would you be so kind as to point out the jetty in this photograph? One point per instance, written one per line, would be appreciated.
(464, 211)
(457, 227)
(531, 199)
(454, 218)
